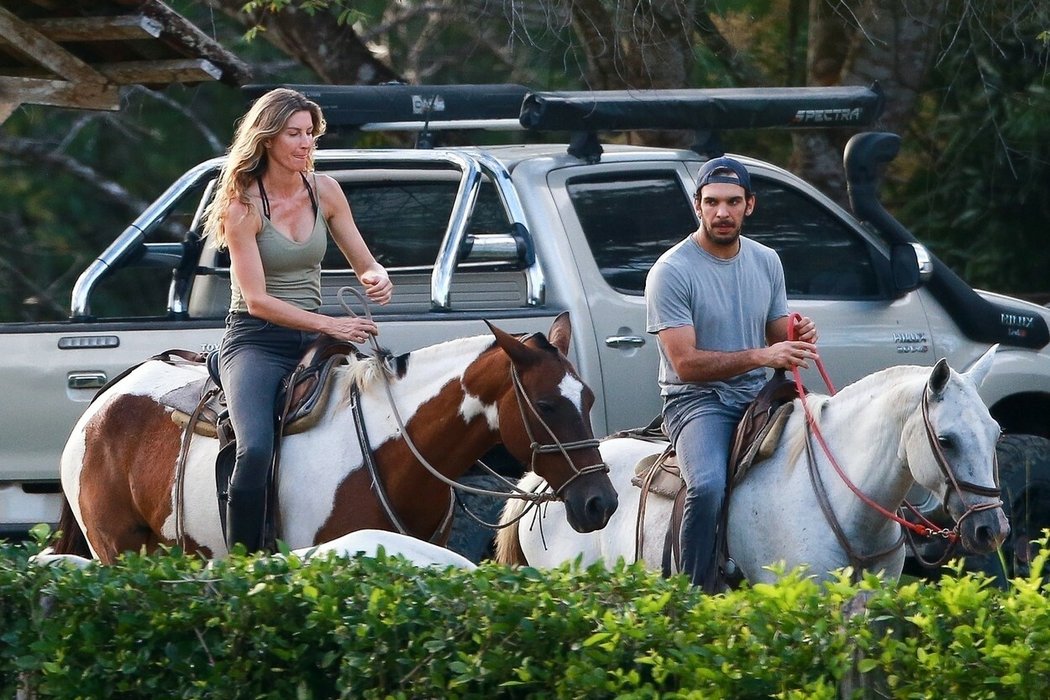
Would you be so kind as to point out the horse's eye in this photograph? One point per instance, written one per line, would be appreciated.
(944, 441)
(545, 407)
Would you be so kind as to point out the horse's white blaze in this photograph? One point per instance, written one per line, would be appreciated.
(572, 389)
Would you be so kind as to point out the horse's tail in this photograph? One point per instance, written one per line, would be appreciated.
(508, 546)
(71, 538)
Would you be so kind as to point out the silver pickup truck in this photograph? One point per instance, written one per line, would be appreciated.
(517, 233)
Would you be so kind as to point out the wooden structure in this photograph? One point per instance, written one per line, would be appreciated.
(78, 53)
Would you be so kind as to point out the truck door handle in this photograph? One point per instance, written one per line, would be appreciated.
(625, 341)
(86, 380)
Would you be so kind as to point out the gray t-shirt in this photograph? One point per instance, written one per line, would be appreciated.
(727, 302)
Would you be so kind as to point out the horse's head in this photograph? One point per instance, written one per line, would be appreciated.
(949, 444)
(544, 421)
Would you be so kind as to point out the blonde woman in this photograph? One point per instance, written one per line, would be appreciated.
(274, 215)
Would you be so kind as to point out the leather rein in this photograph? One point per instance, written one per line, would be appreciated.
(525, 407)
(910, 529)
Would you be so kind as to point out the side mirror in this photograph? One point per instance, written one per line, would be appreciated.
(911, 266)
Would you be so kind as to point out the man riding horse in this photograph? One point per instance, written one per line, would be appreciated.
(717, 303)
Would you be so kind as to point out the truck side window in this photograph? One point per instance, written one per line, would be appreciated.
(404, 222)
(822, 256)
(138, 287)
(629, 220)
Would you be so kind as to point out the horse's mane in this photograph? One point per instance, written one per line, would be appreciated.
(365, 371)
(899, 387)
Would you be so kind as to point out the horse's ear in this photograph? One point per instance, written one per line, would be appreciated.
(939, 376)
(979, 370)
(560, 334)
(519, 352)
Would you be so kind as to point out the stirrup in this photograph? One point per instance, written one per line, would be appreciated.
(731, 574)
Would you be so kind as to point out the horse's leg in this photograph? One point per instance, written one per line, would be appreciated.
(131, 446)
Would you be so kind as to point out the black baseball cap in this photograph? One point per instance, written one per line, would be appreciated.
(715, 170)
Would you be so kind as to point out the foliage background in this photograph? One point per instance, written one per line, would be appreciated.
(172, 626)
(967, 84)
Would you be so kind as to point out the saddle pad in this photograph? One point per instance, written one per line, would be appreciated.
(666, 478)
(184, 400)
(310, 395)
(659, 474)
(762, 446)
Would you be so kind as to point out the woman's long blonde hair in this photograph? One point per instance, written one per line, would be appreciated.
(246, 158)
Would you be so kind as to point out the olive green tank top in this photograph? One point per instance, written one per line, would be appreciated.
(292, 270)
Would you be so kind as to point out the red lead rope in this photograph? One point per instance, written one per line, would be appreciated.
(793, 320)
(924, 530)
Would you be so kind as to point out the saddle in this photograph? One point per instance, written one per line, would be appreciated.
(199, 408)
(754, 440)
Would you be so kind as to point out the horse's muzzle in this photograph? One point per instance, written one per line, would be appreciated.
(590, 500)
(984, 531)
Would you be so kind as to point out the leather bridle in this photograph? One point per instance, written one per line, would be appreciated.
(958, 486)
(910, 529)
(536, 447)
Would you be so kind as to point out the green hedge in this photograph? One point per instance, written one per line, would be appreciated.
(168, 626)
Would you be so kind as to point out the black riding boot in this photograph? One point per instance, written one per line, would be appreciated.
(244, 519)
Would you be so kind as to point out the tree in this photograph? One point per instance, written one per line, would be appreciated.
(965, 83)
(977, 188)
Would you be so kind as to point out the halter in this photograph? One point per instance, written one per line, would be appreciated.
(958, 485)
(536, 448)
(927, 528)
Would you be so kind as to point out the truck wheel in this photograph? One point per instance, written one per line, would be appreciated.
(1024, 475)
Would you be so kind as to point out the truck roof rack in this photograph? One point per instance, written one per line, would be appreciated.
(508, 107)
(399, 107)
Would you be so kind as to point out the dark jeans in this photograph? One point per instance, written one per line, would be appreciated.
(254, 357)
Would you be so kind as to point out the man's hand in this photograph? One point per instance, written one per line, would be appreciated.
(806, 330)
(789, 354)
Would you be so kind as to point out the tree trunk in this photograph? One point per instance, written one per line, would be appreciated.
(892, 42)
(317, 41)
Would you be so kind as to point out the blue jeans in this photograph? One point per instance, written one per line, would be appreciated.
(254, 357)
(702, 433)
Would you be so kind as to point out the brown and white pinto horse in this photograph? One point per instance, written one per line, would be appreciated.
(456, 400)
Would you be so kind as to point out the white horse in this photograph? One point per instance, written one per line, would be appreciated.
(369, 543)
(887, 431)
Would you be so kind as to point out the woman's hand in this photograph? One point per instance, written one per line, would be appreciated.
(354, 329)
(377, 285)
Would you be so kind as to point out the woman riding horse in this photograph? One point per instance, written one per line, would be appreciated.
(274, 213)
